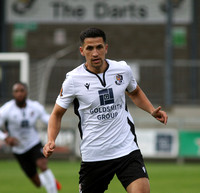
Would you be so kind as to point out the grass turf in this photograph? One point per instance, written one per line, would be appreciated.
(164, 178)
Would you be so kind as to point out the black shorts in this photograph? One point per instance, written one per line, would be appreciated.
(28, 160)
(96, 176)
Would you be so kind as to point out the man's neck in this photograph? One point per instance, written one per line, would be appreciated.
(97, 70)
(21, 104)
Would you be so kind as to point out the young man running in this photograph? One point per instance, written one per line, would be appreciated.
(21, 115)
(108, 141)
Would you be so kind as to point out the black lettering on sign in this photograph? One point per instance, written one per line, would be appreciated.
(62, 10)
(103, 10)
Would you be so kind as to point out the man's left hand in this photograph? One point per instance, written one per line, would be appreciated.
(160, 115)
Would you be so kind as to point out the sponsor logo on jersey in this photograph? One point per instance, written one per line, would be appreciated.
(87, 85)
(106, 96)
(25, 123)
(109, 111)
(106, 109)
(119, 79)
(106, 112)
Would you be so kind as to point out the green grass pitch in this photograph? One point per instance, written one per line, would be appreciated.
(164, 178)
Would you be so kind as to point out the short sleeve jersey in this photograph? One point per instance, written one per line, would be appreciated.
(21, 123)
(99, 101)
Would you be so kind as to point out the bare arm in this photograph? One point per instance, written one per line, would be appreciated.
(53, 129)
(140, 100)
(12, 141)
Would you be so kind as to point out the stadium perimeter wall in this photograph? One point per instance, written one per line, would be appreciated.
(178, 140)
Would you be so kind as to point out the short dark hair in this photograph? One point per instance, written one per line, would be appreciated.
(21, 83)
(92, 33)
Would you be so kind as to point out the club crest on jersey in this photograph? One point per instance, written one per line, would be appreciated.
(119, 79)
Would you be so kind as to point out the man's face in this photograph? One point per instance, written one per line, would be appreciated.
(19, 93)
(94, 50)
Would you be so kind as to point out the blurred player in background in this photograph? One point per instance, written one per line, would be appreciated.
(21, 115)
(108, 140)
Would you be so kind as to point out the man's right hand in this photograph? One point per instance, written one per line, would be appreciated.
(49, 148)
(12, 141)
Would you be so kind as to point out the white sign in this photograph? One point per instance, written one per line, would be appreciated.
(158, 143)
(95, 11)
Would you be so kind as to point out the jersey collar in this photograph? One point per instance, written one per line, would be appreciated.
(103, 82)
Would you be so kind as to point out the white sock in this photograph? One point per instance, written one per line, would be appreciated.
(47, 180)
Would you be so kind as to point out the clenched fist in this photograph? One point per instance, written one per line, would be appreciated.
(49, 148)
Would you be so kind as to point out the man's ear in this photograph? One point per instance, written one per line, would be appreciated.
(81, 51)
(106, 48)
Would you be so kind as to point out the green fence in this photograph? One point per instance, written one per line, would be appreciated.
(189, 143)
